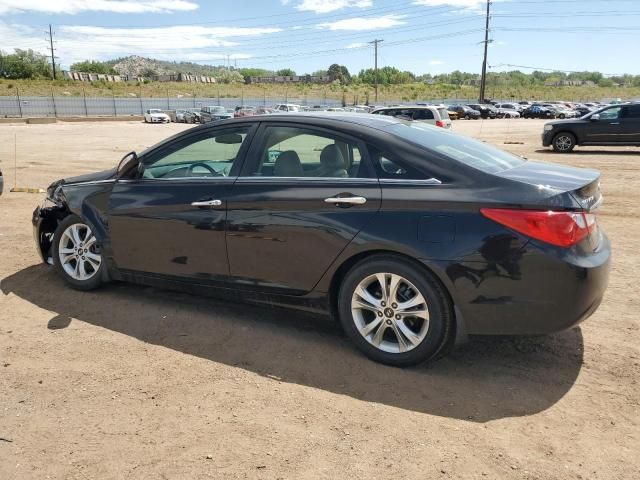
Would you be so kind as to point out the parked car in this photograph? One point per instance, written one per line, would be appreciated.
(486, 110)
(433, 115)
(214, 114)
(507, 113)
(154, 115)
(611, 125)
(536, 111)
(245, 112)
(511, 106)
(287, 107)
(192, 115)
(180, 115)
(264, 111)
(465, 112)
(583, 110)
(561, 110)
(433, 234)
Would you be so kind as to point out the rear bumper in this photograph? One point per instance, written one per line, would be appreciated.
(546, 290)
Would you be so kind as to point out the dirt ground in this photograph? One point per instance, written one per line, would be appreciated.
(129, 382)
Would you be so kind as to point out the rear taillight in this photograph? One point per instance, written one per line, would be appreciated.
(439, 123)
(562, 229)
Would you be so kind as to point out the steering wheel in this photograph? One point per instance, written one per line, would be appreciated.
(189, 172)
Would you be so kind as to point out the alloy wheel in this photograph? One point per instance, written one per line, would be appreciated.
(78, 252)
(390, 312)
(564, 143)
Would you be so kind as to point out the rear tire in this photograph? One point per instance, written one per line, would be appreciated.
(378, 323)
(76, 254)
(467, 117)
(563, 142)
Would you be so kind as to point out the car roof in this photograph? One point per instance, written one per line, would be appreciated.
(348, 120)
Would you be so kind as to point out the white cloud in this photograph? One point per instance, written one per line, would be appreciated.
(75, 43)
(436, 62)
(356, 45)
(79, 6)
(368, 23)
(325, 6)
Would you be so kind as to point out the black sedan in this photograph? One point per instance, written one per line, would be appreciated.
(412, 236)
(536, 111)
(465, 112)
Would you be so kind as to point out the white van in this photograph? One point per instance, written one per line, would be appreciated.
(287, 107)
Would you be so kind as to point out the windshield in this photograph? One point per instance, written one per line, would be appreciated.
(463, 149)
(218, 110)
(155, 111)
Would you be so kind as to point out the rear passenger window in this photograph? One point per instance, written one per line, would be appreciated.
(631, 111)
(389, 167)
(423, 114)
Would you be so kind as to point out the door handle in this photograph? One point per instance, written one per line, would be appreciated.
(346, 200)
(207, 203)
(614, 123)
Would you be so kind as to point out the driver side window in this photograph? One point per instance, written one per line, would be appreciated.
(209, 154)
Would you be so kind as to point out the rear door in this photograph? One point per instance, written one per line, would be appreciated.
(630, 122)
(303, 195)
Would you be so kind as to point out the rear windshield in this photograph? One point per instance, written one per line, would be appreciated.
(463, 149)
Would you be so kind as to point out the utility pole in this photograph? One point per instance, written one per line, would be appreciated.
(483, 79)
(53, 56)
(375, 47)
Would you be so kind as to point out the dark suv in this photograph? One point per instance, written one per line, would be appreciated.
(611, 125)
(486, 109)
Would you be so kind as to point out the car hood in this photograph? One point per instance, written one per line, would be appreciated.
(571, 121)
(158, 115)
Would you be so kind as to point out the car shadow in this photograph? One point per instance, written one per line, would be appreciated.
(581, 151)
(488, 378)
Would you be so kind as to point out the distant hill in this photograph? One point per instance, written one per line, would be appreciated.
(135, 65)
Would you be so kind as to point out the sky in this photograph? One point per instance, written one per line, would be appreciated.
(422, 36)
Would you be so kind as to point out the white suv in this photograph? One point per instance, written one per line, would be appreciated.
(435, 115)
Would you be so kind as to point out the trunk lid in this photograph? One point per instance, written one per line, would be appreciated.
(582, 184)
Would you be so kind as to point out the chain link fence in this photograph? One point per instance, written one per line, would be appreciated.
(56, 106)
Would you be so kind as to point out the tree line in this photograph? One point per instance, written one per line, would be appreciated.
(31, 65)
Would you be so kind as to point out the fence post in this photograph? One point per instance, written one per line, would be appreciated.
(264, 97)
(53, 99)
(19, 101)
(141, 107)
(218, 94)
(84, 97)
(115, 110)
(194, 98)
(168, 107)
(242, 96)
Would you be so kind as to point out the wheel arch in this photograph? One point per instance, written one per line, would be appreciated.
(569, 132)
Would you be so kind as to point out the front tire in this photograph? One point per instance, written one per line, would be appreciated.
(563, 142)
(395, 313)
(76, 254)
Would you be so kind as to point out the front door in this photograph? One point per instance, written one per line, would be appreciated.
(171, 219)
(607, 129)
(303, 195)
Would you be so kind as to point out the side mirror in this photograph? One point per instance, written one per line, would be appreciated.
(595, 117)
(128, 163)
